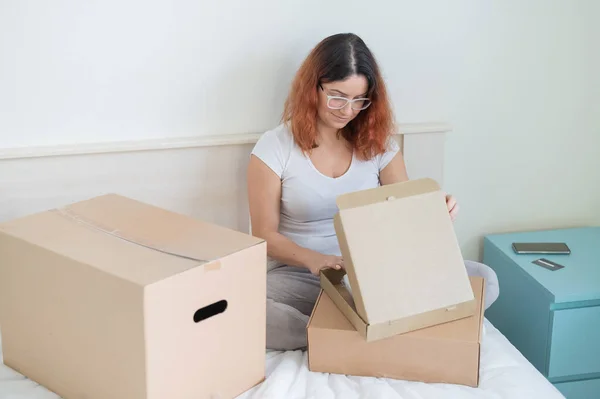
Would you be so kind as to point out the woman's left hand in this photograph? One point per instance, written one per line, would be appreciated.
(452, 206)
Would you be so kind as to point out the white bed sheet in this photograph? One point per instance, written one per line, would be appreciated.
(504, 373)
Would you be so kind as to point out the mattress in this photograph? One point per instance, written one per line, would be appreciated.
(504, 373)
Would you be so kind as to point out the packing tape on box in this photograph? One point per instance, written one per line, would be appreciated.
(67, 213)
(209, 267)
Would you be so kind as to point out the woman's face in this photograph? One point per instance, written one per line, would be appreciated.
(353, 87)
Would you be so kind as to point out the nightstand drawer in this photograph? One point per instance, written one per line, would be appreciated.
(575, 347)
(580, 389)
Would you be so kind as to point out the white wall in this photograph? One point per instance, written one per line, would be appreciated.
(515, 78)
(81, 71)
(525, 152)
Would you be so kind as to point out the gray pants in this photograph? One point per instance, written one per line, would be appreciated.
(293, 291)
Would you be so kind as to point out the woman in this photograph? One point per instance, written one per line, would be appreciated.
(336, 138)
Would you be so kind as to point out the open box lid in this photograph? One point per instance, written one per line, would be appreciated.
(401, 254)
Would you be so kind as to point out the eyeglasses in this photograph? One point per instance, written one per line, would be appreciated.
(357, 104)
(336, 102)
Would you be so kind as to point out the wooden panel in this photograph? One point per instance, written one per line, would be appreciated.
(203, 177)
(177, 142)
(208, 182)
(424, 155)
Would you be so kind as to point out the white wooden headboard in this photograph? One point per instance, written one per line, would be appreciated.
(204, 177)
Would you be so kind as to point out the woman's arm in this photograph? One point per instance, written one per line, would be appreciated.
(264, 198)
(395, 172)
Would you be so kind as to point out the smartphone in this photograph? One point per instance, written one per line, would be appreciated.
(548, 264)
(556, 248)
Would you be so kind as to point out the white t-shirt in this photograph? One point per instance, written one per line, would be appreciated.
(308, 197)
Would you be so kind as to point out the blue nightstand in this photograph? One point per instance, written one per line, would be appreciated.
(552, 317)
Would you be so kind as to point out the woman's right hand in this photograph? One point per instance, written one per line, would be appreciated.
(317, 262)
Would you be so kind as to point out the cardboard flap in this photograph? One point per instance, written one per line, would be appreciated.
(335, 276)
(387, 193)
(157, 229)
(467, 329)
(480, 296)
(400, 251)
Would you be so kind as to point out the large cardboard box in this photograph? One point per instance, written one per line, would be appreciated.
(445, 353)
(114, 298)
(402, 258)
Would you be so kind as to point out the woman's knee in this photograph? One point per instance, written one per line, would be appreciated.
(296, 289)
(286, 327)
(492, 287)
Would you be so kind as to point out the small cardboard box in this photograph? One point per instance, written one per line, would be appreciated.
(114, 298)
(446, 353)
(403, 260)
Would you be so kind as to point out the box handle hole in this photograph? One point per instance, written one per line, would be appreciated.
(210, 311)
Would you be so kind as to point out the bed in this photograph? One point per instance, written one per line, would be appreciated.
(504, 373)
(204, 177)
